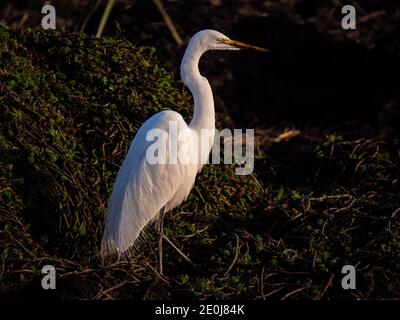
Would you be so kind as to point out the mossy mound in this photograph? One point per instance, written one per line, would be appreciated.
(69, 108)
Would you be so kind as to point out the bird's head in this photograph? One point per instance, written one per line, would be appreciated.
(206, 40)
(214, 40)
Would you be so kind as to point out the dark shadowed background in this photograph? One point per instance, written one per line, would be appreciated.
(317, 73)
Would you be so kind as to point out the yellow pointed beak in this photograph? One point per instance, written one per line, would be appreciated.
(241, 45)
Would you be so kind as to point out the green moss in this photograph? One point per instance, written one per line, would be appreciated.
(69, 107)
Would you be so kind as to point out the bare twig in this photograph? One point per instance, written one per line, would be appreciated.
(334, 197)
(106, 292)
(273, 291)
(89, 16)
(168, 21)
(345, 208)
(161, 277)
(104, 18)
(77, 273)
(262, 283)
(287, 135)
(322, 292)
(236, 255)
(179, 251)
(372, 15)
(287, 295)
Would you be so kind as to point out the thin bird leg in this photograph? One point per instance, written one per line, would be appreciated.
(179, 251)
(160, 239)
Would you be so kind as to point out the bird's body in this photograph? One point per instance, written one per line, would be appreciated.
(132, 208)
(143, 189)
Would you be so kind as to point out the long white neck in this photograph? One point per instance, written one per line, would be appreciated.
(204, 114)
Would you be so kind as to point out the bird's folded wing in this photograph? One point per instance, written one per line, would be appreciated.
(140, 191)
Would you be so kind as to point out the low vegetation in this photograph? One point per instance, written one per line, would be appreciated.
(69, 107)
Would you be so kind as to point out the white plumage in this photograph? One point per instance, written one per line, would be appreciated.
(142, 189)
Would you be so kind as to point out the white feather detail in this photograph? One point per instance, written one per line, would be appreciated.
(141, 189)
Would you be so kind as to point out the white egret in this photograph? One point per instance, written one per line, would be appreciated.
(143, 192)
